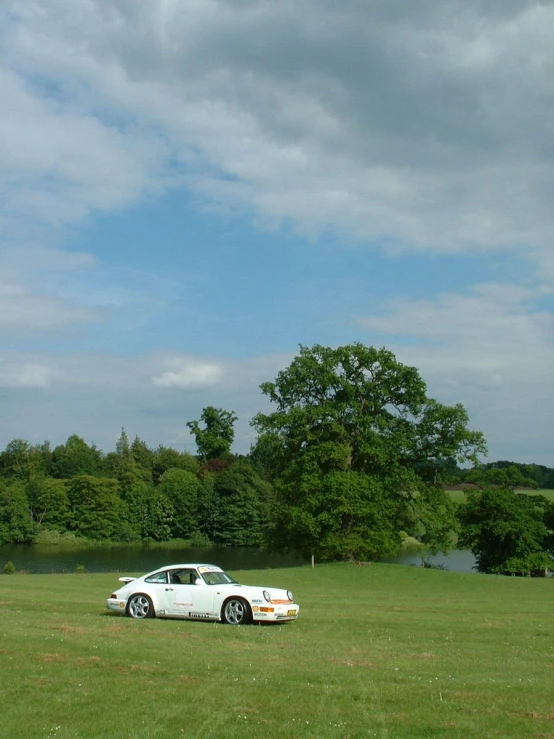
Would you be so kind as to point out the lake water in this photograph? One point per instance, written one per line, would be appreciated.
(58, 559)
(458, 560)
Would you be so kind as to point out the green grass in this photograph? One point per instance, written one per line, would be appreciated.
(379, 651)
(546, 492)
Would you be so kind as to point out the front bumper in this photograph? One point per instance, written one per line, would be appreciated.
(271, 612)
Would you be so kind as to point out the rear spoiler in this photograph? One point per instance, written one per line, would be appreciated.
(127, 579)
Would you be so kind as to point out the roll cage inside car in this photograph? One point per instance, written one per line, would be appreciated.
(191, 576)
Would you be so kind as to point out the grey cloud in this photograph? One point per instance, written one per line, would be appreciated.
(421, 122)
(421, 125)
(403, 85)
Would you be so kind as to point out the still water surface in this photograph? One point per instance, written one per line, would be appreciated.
(47, 559)
(458, 560)
(58, 559)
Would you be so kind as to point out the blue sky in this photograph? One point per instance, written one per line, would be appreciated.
(192, 188)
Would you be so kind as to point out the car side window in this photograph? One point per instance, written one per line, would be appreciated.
(183, 577)
(158, 577)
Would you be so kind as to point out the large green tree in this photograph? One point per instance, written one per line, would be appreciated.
(215, 438)
(353, 445)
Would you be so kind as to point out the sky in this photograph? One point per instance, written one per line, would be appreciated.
(191, 189)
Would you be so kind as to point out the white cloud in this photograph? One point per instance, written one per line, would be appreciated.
(155, 373)
(189, 374)
(30, 296)
(51, 397)
(22, 375)
(24, 310)
(491, 349)
(58, 164)
(489, 315)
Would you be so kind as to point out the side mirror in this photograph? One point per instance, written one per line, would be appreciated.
(199, 581)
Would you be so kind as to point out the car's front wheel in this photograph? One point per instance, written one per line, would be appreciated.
(236, 611)
(140, 606)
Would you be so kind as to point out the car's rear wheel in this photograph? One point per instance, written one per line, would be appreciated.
(140, 606)
(236, 611)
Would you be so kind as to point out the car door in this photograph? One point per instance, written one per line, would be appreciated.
(185, 599)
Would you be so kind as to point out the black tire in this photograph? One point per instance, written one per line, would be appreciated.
(236, 612)
(140, 606)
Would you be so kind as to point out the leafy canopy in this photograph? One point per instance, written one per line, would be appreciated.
(351, 443)
(214, 440)
(507, 531)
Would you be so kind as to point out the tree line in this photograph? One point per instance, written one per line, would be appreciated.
(507, 474)
(133, 493)
(354, 457)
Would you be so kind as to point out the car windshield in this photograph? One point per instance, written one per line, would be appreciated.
(217, 578)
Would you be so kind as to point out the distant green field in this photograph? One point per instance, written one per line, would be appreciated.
(384, 651)
(547, 493)
(458, 496)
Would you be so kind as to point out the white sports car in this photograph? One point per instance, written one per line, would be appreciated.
(200, 591)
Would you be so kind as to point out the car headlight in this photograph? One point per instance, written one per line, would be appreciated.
(290, 596)
(267, 596)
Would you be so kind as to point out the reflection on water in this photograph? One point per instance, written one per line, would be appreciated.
(48, 559)
(57, 559)
(458, 560)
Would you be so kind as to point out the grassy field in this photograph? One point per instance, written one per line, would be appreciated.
(379, 651)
